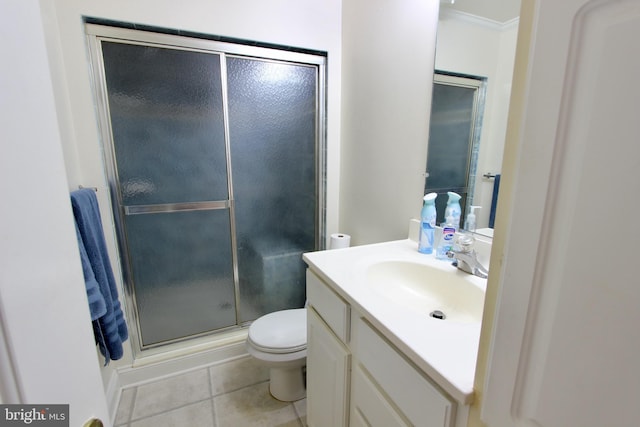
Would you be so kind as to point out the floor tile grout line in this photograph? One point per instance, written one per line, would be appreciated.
(297, 415)
(215, 419)
(211, 397)
(213, 404)
(239, 388)
(130, 418)
(208, 368)
(295, 408)
(214, 413)
(132, 408)
(175, 377)
(194, 402)
(295, 411)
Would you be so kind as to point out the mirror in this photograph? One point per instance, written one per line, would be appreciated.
(477, 39)
(457, 108)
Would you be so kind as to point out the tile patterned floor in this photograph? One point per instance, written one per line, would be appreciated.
(231, 394)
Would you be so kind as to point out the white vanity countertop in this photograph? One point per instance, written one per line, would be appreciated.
(445, 351)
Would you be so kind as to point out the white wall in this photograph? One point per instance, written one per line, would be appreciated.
(43, 305)
(388, 57)
(475, 46)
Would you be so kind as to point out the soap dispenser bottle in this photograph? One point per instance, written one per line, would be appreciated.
(427, 224)
(470, 222)
(448, 238)
(453, 208)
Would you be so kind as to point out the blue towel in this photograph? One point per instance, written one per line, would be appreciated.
(109, 327)
(494, 200)
(97, 305)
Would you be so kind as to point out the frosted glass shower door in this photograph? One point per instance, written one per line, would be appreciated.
(169, 152)
(273, 132)
(215, 157)
(454, 133)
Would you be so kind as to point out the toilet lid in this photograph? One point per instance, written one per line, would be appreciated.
(280, 332)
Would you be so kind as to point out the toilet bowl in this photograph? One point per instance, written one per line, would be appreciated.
(279, 340)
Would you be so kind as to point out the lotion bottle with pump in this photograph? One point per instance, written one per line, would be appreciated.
(453, 208)
(448, 238)
(427, 224)
(470, 222)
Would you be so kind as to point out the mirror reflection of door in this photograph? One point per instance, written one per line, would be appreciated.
(454, 138)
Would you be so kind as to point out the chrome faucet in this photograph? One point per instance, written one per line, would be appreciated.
(467, 258)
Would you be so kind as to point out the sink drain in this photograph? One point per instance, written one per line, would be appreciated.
(437, 314)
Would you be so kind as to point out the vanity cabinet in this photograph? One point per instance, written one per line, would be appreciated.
(355, 377)
(419, 402)
(328, 357)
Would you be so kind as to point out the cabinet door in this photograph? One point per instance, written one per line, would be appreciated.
(328, 363)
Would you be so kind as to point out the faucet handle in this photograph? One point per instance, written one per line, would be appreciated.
(465, 242)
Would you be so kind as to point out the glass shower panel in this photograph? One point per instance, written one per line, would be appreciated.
(169, 151)
(450, 143)
(167, 124)
(183, 274)
(272, 126)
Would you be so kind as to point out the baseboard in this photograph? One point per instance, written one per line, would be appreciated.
(112, 394)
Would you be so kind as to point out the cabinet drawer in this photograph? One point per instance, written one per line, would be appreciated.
(333, 309)
(368, 406)
(407, 387)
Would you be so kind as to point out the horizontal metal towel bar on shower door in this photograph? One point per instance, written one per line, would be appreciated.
(176, 207)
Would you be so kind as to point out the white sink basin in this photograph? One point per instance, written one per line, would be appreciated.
(428, 289)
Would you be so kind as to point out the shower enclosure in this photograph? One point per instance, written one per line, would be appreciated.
(215, 158)
(454, 138)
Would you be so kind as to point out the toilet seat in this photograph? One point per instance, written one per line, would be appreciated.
(280, 332)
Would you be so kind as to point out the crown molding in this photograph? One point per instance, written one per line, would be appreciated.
(446, 13)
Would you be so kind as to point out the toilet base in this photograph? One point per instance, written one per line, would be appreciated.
(287, 384)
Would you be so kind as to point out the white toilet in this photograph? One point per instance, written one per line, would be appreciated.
(279, 340)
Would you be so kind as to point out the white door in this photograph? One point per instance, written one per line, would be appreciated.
(47, 349)
(566, 339)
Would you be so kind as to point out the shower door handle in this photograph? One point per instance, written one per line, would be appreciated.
(176, 207)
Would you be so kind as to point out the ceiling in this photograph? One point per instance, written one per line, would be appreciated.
(496, 10)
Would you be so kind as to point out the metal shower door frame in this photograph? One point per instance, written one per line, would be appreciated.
(96, 34)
